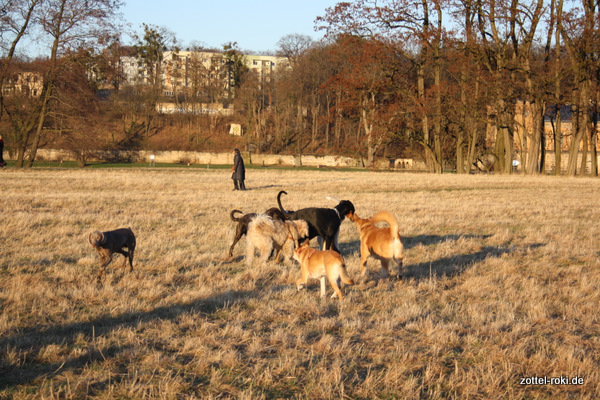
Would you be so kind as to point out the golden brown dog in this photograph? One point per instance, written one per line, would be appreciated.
(383, 244)
(318, 264)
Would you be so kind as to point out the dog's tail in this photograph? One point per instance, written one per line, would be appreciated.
(332, 199)
(344, 275)
(233, 217)
(384, 216)
(279, 202)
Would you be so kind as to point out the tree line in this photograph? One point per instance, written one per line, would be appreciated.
(445, 81)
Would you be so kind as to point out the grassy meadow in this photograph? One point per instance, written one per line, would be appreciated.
(501, 288)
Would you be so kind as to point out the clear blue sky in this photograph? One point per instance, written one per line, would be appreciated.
(255, 25)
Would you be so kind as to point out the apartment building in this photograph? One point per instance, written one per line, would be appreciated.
(201, 73)
(24, 83)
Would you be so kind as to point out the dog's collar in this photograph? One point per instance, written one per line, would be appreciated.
(300, 250)
(338, 213)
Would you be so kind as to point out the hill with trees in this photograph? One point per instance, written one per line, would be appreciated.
(445, 82)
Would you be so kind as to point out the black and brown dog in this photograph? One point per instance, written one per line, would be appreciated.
(111, 242)
(323, 222)
(243, 221)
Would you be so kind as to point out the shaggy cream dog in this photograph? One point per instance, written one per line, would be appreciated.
(266, 235)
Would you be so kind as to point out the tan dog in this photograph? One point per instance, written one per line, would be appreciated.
(318, 264)
(266, 234)
(383, 244)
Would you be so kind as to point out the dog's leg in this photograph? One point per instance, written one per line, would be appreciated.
(335, 284)
(321, 242)
(399, 269)
(330, 243)
(287, 250)
(301, 283)
(249, 254)
(385, 268)
(278, 255)
(323, 286)
(265, 252)
(106, 257)
(238, 236)
(131, 251)
(125, 255)
(364, 255)
(336, 241)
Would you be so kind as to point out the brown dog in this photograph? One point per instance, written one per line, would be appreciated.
(383, 244)
(243, 221)
(318, 264)
(108, 243)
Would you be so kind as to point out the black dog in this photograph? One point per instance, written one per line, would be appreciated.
(108, 243)
(243, 221)
(324, 222)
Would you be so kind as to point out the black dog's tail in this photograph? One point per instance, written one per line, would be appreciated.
(232, 215)
(279, 202)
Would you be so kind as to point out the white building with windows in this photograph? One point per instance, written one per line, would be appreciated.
(204, 74)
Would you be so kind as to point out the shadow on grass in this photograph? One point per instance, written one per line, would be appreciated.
(412, 241)
(264, 187)
(33, 341)
(446, 266)
(453, 265)
(456, 264)
(426, 240)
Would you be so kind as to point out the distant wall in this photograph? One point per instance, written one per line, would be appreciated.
(192, 157)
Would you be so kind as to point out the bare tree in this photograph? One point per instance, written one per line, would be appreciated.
(66, 25)
(15, 19)
(579, 31)
(293, 46)
(416, 28)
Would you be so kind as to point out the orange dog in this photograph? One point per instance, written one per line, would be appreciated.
(318, 264)
(383, 244)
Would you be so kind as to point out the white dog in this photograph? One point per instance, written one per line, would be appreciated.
(266, 234)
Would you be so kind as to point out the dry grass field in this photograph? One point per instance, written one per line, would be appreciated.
(501, 288)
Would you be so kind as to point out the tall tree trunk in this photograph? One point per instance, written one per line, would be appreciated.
(429, 159)
(536, 139)
(584, 147)
(594, 139)
(437, 131)
(40, 125)
(579, 128)
(558, 142)
(472, 145)
(574, 146)
(557, 96)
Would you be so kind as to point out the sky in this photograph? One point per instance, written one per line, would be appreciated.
(256, 26)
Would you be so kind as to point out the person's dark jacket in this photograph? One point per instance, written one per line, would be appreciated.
(239, 171)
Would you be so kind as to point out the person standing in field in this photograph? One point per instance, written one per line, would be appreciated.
(2, 162)
(239, 171)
